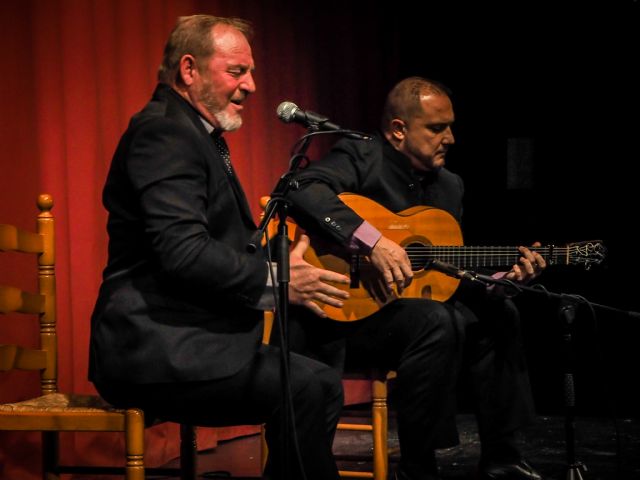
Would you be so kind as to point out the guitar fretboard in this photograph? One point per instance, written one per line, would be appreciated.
(468, 256)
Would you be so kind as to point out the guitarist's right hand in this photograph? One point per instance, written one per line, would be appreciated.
(307, 284)
(392, 261)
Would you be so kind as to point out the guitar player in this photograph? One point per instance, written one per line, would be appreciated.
(475, 335)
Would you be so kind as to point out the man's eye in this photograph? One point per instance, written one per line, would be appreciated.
(438, 128)
(238, 72)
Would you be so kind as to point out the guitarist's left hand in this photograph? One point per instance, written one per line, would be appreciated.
(529, 266)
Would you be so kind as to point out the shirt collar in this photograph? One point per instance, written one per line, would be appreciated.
(210, 128)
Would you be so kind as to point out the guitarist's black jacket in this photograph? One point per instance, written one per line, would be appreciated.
(373, 169)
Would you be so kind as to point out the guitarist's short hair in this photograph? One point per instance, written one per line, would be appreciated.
(403, 101)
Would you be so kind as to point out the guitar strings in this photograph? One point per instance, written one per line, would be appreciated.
(475, 256)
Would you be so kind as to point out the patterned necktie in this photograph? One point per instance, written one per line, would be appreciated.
(223, 149)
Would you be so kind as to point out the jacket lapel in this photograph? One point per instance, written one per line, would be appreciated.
(193, 120)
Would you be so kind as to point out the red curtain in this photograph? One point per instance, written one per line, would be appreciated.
(74, 73)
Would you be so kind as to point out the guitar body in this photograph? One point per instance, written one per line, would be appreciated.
(417, 225)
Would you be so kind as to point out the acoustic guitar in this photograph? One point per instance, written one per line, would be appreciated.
(426, 234)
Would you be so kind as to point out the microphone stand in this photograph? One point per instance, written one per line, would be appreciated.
(278, 204)
(567, 314)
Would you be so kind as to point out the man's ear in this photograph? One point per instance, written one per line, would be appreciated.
(188, 69)
(398, 129)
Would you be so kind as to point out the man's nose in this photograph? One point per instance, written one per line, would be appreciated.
(248, 84)
(449, 139)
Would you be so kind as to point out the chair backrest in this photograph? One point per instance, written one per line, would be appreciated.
(39, 243)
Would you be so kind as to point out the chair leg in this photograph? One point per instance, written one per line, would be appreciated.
(188, 452)
(264, 449)
(134, 444)
(379, 421)
(50, 452)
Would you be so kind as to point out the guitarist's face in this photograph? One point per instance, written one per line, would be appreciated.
(426, 135)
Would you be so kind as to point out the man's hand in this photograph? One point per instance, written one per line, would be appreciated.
(307, 284)
(529, 266)
(392, 261)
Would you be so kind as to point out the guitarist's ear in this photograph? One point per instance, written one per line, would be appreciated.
(398, 129)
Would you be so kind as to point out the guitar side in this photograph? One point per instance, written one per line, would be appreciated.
(418, 225)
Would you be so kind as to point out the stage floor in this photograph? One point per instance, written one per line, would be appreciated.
(606, 456)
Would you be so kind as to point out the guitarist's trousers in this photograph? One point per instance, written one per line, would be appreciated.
(434, 346)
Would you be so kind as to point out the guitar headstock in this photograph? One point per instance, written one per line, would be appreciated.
(586, 254)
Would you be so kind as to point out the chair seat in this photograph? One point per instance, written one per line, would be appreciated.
(61, 402)
(58, 411)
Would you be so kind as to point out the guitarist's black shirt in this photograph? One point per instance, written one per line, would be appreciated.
(373, 169)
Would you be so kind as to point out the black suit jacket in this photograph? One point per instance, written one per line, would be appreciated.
(373, 169)
(177, 294)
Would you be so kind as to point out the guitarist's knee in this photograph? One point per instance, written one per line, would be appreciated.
(428, 319)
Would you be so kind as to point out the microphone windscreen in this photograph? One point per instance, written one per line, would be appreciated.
(286, 111)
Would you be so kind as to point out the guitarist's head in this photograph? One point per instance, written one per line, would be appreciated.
(417, 120)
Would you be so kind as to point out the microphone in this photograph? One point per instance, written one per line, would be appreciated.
(453, 271)
(289, 112)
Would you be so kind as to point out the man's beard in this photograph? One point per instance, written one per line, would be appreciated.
(228, 121)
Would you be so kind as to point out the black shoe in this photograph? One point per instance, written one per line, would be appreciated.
(520, 470)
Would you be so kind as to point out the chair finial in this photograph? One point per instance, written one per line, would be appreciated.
(45, 202)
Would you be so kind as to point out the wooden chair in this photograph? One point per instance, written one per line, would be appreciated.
(379, 391)
(378, 426)
(54, 411)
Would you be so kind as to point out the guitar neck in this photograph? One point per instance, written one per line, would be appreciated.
(469, 257)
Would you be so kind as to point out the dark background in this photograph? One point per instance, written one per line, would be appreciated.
(564, 80)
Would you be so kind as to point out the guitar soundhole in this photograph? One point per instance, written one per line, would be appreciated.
(418, 255)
